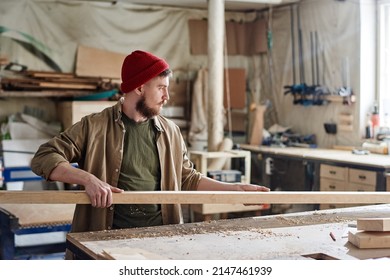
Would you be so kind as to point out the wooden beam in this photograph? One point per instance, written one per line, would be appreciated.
(197, 197)
(373, 224)
(370, 240)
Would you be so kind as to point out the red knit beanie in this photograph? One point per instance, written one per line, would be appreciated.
(140, 67)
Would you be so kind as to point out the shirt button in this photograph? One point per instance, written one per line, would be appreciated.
(111, 208)
(123, 131)
(116, 170)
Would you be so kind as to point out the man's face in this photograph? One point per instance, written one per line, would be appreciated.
(154, 96)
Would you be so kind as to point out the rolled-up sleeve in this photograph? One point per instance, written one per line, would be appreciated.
(62, 148)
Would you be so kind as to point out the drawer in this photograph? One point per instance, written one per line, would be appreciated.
(362, 176)
(332, 185)
(354, 187)
(334, 172)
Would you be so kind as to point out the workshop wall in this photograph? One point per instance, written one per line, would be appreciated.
(62, 26)
(340, 60)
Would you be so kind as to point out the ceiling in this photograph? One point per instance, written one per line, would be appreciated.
(230, 5)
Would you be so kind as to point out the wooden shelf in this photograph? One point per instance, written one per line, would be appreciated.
(45, 93)
(336, 98)
(200, 159)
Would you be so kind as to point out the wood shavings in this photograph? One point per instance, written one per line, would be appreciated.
(314, 219)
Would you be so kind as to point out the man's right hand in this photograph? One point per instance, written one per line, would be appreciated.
(100, 193)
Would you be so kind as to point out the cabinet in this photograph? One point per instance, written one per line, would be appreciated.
(336, 178)
(325, 170)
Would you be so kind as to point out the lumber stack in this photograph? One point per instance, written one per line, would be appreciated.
(46, 80)
(372, 233)
(3, 60)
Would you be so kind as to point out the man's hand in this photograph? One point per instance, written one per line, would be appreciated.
(100, 193)
(252, 188)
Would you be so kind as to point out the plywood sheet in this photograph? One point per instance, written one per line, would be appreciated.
(242, 38)
(234, 88)
(373, 224)
(92, 62)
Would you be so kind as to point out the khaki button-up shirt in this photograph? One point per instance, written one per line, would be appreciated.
(95, 143)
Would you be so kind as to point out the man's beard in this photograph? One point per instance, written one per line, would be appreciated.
(144, 110)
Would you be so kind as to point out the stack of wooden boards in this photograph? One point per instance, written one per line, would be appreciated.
(372, 233)
(95, 70)
(47, 80)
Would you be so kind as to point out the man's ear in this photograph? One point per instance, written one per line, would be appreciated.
(139, 90)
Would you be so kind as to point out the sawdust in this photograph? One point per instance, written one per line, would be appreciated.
(260, 227)
(315, 218)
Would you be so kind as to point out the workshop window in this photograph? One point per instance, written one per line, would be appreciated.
(384, 60)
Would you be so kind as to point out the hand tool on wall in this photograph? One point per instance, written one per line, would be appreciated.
(304, 94)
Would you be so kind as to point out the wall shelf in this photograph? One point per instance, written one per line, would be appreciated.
(45, 93)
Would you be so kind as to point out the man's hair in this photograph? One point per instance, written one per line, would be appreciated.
(166, 73)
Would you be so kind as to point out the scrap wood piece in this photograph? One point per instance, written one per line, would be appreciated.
(197, 197)
(370, 240)
(373, 224)
(95, 62)
(48, 74)
(258, 125)
(67, 85)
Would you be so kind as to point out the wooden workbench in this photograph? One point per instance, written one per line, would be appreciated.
(300, 169)
(43, 226)
(304, 235)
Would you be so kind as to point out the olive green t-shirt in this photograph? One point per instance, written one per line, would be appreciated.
(140, 171)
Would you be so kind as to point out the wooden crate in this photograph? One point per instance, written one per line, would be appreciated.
(70, 112)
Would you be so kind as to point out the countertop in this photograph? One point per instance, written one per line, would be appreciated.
(341, 156)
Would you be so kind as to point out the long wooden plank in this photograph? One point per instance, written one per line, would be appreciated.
(197, 197)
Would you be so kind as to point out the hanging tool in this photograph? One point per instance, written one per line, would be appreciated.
(305, 94)
(299, 91)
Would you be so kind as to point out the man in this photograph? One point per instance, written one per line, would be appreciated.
(127, 147)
